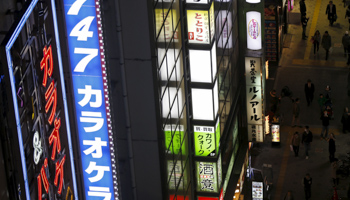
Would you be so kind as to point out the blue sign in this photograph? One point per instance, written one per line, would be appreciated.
(91, 98)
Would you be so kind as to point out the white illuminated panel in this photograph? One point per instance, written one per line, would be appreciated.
(227, 28)
(198, 1)
(172, 103)
(216, 98)
(213, 60)
(167, 64)
(200, 66)
(253, 30)
(254, 1)
(202, 103)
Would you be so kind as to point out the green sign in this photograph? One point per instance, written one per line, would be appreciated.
(204, 141)
(207, 180)
(174, 137)
(218, 134)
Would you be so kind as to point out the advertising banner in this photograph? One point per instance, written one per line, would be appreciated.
(87, 61)
(174, 139)
(254, 99)
(198, 28)
(275, 132)
(175, 172)
(253, 30)
(205, 144)
(40, 108)
(257, 190)
(206, 177)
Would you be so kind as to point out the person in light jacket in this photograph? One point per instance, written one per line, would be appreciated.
(317, 40)
(326, 43)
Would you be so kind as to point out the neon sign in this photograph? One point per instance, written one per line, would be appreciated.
(53, 77)
(85, 43)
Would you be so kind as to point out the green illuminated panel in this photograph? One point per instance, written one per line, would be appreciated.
(178, 137)
(204, 141)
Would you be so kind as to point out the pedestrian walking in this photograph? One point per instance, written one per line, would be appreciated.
(289, 196)
(347, 15)
(326, 43)
(304, 21)
(334, 168)
(274, 101)
(306, 140)
(331, 147)
(348, 86)
(325, 124)
(307, 182)
(296, 113)
(332, 13)
(346, 41)
(321, 101)
(345, 119)
(309, 89)
(316, 41)
(295, 143)
(302, 7)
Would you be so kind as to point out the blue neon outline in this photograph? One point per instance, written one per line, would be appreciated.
(64, 97)
(13, 89)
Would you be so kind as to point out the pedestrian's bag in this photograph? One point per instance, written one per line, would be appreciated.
(291, 147)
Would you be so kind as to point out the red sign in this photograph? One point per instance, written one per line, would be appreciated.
(207, 198)
(178, 197)
(46, 64)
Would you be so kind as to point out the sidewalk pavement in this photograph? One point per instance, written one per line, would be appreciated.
(296, 66)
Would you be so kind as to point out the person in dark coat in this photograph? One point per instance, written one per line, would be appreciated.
(325, 124)
(302, 7)
(334, 168)
(309, 89)
(331, 147)
(307, 182)
(326, 43)
(304, 21)
(306, 140)
(274, 101)
(332, 12)
(345, 119)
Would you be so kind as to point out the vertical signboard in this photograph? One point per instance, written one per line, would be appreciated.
(254, 100)
(175, 143)
(40, 106)
(204, 144)
(257, 190)
(87, 62)
(201, 28)
(253, 30)
(207, 180)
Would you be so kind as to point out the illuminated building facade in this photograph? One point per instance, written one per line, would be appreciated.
(133, 99)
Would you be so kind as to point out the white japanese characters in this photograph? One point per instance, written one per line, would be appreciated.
(91, 97)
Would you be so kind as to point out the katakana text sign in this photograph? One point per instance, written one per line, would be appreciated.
(85, 43)
(205, 144)
(254, 98)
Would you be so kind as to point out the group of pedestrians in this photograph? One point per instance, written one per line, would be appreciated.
(326, 39)
(306, 137)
